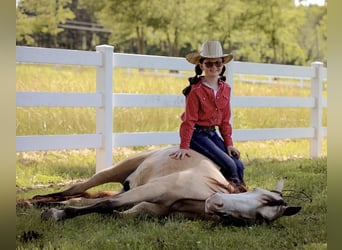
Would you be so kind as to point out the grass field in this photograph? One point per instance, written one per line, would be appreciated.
(306, 230)
(266, 163)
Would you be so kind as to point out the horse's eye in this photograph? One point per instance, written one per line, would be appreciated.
(276, 203)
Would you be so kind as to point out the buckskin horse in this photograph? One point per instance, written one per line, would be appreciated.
(157, 185)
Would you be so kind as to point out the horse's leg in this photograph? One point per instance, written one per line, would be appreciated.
(80, 201)
(105, 207)
(160, 191)
(150, 192)
(189, 205)
(102, 207)
(146, 208)
(77, 200)
(108, 206)
(117, 173)
(192, 209)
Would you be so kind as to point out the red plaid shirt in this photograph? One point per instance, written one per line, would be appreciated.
(204, 109)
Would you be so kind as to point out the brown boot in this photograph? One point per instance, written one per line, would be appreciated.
(239, 187)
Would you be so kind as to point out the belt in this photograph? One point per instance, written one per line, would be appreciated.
(204, 128)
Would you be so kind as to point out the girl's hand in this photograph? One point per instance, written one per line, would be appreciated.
(180, 154)
(233, 152)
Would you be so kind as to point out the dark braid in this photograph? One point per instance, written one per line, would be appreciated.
(223, 77)
(193, 80)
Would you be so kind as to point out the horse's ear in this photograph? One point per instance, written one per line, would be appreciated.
(280, 186)
(291, 211)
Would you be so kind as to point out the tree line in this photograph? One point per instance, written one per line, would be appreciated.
(273, 31)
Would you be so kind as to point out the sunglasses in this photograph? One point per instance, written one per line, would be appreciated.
(211, 64)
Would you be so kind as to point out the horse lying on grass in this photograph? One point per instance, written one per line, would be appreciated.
(154, 184)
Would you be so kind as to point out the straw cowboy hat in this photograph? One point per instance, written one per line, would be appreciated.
(210, 49)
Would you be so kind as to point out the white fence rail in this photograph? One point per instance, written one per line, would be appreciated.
(104, 100)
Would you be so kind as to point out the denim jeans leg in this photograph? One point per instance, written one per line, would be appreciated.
(202, 143)
(239, 164)
(240, 168)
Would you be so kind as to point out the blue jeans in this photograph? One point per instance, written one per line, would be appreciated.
(210, 144)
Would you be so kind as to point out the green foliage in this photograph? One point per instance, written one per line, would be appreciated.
(24, 28)
(35, 17)
(274, 31)
(313, 34)
(275, 41)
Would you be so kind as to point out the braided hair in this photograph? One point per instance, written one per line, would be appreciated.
(195, 79)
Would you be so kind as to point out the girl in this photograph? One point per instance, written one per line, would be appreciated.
(208, 107)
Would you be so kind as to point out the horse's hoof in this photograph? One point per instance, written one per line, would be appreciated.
(24, 204)
(117, 214)
(52, 214)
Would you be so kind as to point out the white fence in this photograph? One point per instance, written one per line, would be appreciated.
(104, 100)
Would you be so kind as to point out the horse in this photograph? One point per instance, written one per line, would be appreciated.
(154, 184)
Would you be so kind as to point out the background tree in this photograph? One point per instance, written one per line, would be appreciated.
(83, 32)
(313, 33)
(24, 28)
(37, 21)
(223, 22)
(274, 31)
(128, 22)
(271, 30)
(178, 25)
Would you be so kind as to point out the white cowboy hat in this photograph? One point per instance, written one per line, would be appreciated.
(210, 49)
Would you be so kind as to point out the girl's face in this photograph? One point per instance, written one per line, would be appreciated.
(212, 66)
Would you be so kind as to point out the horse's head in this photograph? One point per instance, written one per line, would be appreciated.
(251, 206)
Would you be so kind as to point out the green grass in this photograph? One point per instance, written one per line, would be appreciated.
(266, 163)
(306, 230)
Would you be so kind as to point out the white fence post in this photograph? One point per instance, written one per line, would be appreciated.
(316, 112)
(104, 114)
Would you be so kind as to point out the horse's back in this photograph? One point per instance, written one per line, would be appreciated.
(160, 164)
